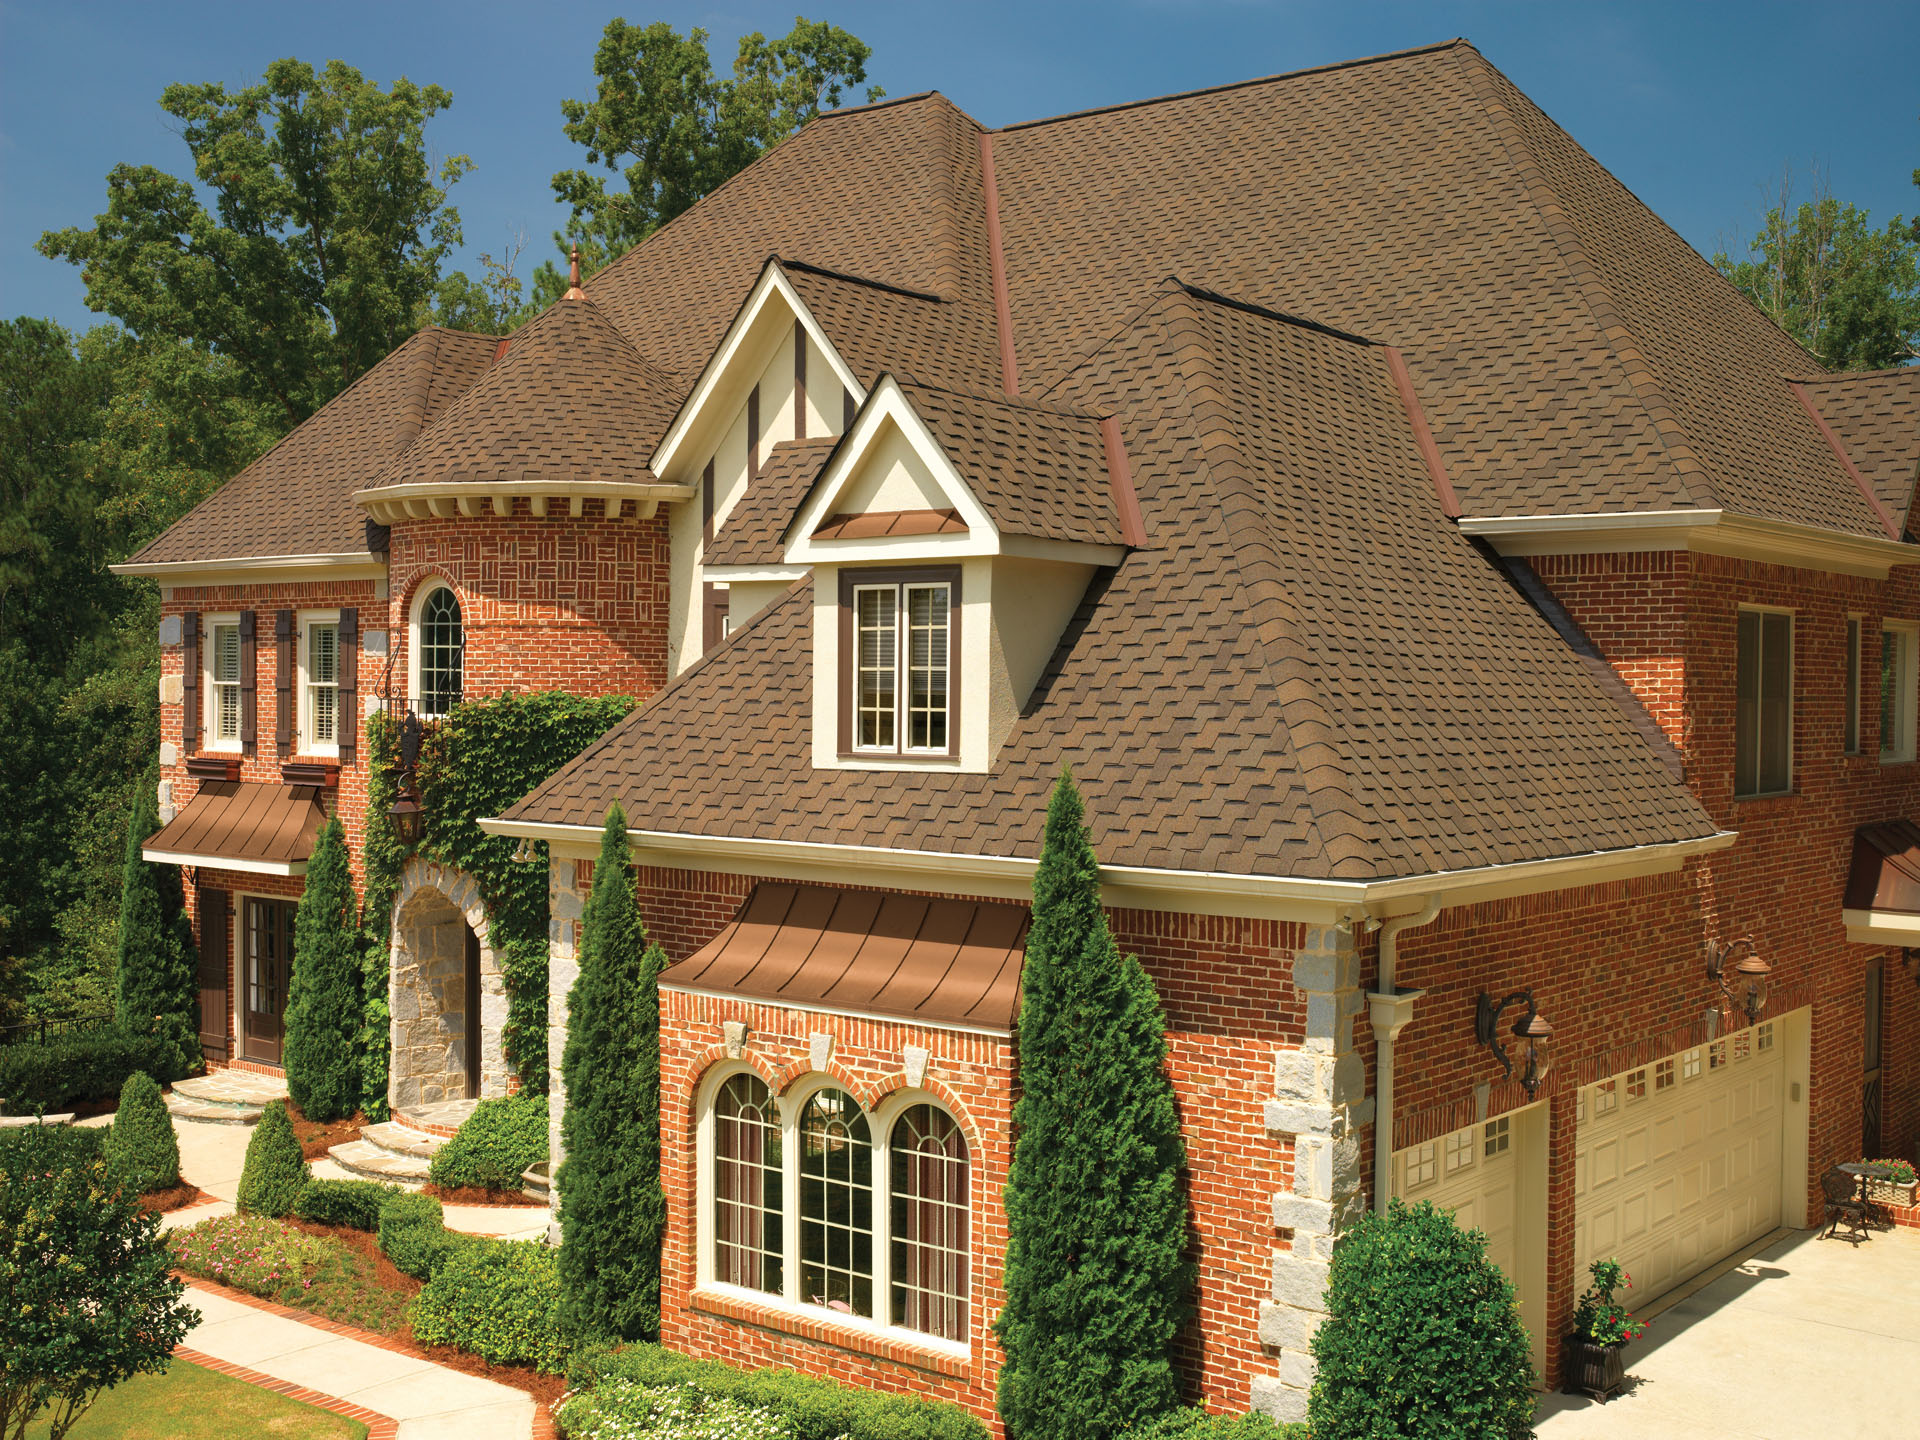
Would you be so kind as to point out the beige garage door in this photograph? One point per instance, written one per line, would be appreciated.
(1678, 1162)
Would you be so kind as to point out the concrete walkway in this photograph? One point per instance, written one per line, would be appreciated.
(1807, 1338)
(429, 1401)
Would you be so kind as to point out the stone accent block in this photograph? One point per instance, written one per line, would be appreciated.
(1299, 1282)
(1286, 1328)
(1277, 1400)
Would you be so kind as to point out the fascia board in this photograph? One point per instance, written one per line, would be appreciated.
(259, 569)
(747, 574)
(1881, 927)
(226, 862)
(1708, 532)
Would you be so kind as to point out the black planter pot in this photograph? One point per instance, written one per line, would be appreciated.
(1592, 1369)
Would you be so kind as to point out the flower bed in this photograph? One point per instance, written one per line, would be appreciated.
(315, 1273)
(623, 1410)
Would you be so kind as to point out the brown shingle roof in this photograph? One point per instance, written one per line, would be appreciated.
(1876, 416)
(753, 532)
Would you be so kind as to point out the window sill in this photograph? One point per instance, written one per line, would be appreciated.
(1896, 759)
(1770, 796)
(810, 1322)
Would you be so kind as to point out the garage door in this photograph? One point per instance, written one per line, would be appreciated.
(1677, 1162)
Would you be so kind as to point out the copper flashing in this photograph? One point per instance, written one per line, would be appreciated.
(891, 522)
(1840, 453)
(933, 960)
(243, 824)
(1120, 477)
(1416, 417)
(1002, 307)
(1885, 873)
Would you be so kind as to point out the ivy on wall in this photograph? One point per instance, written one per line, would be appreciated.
(481, 758)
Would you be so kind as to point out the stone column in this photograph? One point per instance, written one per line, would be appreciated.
(1320, 1102)
(564, 909)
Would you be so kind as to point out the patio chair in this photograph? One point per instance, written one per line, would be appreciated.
(1844, 1205)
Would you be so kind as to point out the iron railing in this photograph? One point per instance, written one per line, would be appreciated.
(37, 1031)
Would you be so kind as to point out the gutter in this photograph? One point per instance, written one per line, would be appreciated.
(1710, 532)
(1389, 1009)
(186, 569)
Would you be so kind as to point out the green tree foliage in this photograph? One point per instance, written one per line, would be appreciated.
(1847, 290)
(141, 1148)
(324, 1009)
(87, 1297)
(1422, 1338)
(322, 247)
(1097, 1284)
(674, 130)
(381, 856)
(275, 1172)
(157, 987)
(612, 1209)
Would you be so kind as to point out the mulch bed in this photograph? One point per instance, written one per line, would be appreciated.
(385, 1274)
(480, 1195)
(162, 1202)
(317, 1137)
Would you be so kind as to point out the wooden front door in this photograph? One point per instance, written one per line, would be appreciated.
(267, 958)
(1870, 1086)
(472, 1013)
(215, 911)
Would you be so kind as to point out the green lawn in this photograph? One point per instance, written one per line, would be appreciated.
(189, 1403)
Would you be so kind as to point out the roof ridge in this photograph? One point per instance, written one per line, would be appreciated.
(788, 263)
(887, 102)
(1827, 377)
(1620, 341)
(1329, 67)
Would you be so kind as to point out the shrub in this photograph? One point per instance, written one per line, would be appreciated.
(323, 995)
(141, 1147)
(1193, 1423)
(414, 1236)
(1097, 1284)
(1422, 1337)
(85, 1065)
(275, 1172)
(499, 1299)
(812, 1409)
(499, 1140)
(156, 984)
(353, 1203)
(670, 1412)
(612, 1210)
(64, 1147)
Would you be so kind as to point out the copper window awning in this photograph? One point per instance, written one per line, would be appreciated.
(950, 963)
(243, 825)
(1882, 905)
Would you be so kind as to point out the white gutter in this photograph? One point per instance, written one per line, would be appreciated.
(1390, 1008)
(164, 569)
(1710, 532)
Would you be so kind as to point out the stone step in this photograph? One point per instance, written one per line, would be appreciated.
(402, 1139)
(225, 1097)
(214, 1113)
(376, 1162)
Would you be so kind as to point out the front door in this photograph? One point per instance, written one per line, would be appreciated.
(267, 957)
(1870, 1096)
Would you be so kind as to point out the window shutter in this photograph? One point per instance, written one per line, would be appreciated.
(190, 681)
(348, 725)
(249, 682)
(283, 678)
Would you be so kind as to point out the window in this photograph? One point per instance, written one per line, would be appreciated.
(1852, 742)
(1717, 1055)
(747, 1185)
(1763, 734)
(1459, 1150)
(929, 1224)
(439, 650)
(1896, 693)
(1690, 1064)
(320, 687)
(1422, 1165)
(836, 1204)
(1606, 1097)
(1499, 1136)
(1663, 1075)
(223, 671)
(1636, 1086)
(1763, 1036)
(898, 637)
(1742, 1045)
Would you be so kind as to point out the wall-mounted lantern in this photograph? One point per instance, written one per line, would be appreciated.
(1530, 1032)
(409, 819)
(1744, 982)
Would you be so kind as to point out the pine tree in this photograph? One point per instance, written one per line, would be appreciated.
(612, 1210)
(275, 1172)
(323, 994)
(1097, 1286)
(156, 987)
(141, 1148)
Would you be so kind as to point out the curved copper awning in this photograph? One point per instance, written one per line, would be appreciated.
(1882, 906)
(243, 825)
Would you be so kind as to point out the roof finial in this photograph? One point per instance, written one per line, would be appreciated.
(574, 292)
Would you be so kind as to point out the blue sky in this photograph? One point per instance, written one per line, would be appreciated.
(1695, 106)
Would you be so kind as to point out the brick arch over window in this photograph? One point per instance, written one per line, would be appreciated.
(432, 989)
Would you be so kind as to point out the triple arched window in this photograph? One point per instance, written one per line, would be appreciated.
(439, 651)
(822, 1205)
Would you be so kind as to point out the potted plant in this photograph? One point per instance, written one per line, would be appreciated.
(1601, 1328)
(1891, 1182)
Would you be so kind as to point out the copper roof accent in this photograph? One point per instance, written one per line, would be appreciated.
(243, 824)
(1120, 477)
(937, 961)
(574, 292)
(1875, 415)
(1885, 874)
(890, 522)
(1846, 461)
(1002, 311)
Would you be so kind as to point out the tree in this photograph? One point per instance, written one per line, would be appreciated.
(1847, 291)
(87, 1297)
(1097, 1285)
(324, 1006)
(680, 131)
(1422, 1337)
(141, 1148)
(274, 1172)
(157, 986)
(324, 244)
(612, 1209)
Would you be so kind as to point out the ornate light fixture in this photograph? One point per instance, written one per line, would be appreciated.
(1531, 1030)
(409, 819)
(1743, 983)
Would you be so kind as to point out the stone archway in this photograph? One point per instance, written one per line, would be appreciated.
(438, 923)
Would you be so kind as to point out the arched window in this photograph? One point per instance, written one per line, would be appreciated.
(836, 1204)
(439, 651)
(928, 1227)
(747, 1186)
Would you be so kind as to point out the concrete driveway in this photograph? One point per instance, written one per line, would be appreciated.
(1807, 1338)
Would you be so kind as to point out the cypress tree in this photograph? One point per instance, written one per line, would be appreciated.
(1097, 1286)
(141, 1148)
(156, 987)
(612, 1210)
(323, 1015)
(274, 1172)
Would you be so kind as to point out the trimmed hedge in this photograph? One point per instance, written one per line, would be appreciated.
(352, 1203)
(1194, 1423)
(141, 1147)
(69, 1147)
(414, 1236)
(499, 1140)
(813, 1409)
(68, 1069)
(499, 1299)
(275, 1171)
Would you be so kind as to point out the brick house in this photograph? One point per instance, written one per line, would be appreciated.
(1446, 589)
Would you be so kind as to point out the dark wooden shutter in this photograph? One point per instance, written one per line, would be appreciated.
(714, 603)
(190, 681)
(249, 683)
(215, 911)
(283, 643)
(347, 715)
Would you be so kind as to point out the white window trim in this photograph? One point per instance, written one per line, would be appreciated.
(880, 1123)
(421, 594)
(1910, 690)
(1793, 718)
(209, 710)
(304, 744)
(902, 687)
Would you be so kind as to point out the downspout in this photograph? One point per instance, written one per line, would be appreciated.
(1390, 1008)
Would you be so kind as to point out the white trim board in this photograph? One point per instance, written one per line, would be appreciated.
(1707, 532)
(1881, 927)
(227, 862)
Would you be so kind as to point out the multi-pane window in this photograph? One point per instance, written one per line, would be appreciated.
(1636, 1086)
(1852, 661)
(929, 1224)
(836, 1204)
(441, 646)
(748, 1213)
(1423, 1162)
(224, 709)
(1763, 1036)
(1896, 693)
(902, 666)
(323, 684)
(1459, 1149)
(1663, 1074)
(1763, 733)
(1690, 1064)
(1606, 1097)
